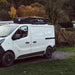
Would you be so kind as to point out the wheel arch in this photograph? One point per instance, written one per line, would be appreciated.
(4, 61)
(46, 54)
(48, 47)
(11, 52)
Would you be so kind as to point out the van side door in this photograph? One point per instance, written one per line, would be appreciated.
(38, 40)
(21, 40)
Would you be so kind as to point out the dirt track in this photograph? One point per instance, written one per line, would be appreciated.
(62, 55)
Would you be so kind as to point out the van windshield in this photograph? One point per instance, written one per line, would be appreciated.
(6, 30)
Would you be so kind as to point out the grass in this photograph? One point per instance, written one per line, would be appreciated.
(66, 49)
(57, 67)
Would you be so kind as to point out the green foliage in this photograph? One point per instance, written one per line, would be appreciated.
(64, 9)
(69, 6)
(66, 24)
(4, 15)
(54, 10)
(4, 5)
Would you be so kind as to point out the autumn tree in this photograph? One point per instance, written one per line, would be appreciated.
(39, 9)
(12, 12)
(18, 3)
(34, 9)
(24, 11)
(54, 10)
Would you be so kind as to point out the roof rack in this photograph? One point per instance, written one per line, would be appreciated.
(31, 20)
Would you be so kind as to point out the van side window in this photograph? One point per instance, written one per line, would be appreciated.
(20, 33)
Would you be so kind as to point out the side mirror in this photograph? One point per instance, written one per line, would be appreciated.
(16, 36)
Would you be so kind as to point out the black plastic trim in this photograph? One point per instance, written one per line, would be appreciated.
(31, 54)
(50, 38)
(1, 52)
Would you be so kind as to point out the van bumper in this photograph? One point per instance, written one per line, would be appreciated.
(54, 48)
(1, 52)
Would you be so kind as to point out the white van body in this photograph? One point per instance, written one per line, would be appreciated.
(73, 25)
(35, 40)
(6, 22)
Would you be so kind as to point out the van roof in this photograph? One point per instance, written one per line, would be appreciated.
(14, 24)
(18, 25)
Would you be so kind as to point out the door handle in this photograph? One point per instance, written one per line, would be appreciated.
(34, 41)
(27, 42)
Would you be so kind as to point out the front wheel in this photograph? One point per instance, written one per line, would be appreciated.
(48, 53)
(8, 59)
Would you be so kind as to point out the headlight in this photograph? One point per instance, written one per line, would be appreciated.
(1, 41)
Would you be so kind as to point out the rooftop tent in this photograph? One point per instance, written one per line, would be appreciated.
(31, 20)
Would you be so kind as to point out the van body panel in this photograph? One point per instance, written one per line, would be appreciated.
(38, 35)
(38, 38)
(23, 45)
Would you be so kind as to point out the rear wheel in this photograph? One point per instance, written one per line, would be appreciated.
(8, 59)
(48, 53)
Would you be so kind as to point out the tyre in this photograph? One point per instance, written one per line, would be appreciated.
(48, 53)
(8, 59)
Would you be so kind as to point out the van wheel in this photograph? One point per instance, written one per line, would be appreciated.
(48, 53)
(8, 59)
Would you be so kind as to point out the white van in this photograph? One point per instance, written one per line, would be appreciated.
(6, 22)
(73, 25)
(25, 40)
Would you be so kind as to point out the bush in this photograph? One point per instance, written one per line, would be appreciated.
(34, 9)
(4, 5)
(66, 24)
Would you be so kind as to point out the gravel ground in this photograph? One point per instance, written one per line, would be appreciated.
(62, 55)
